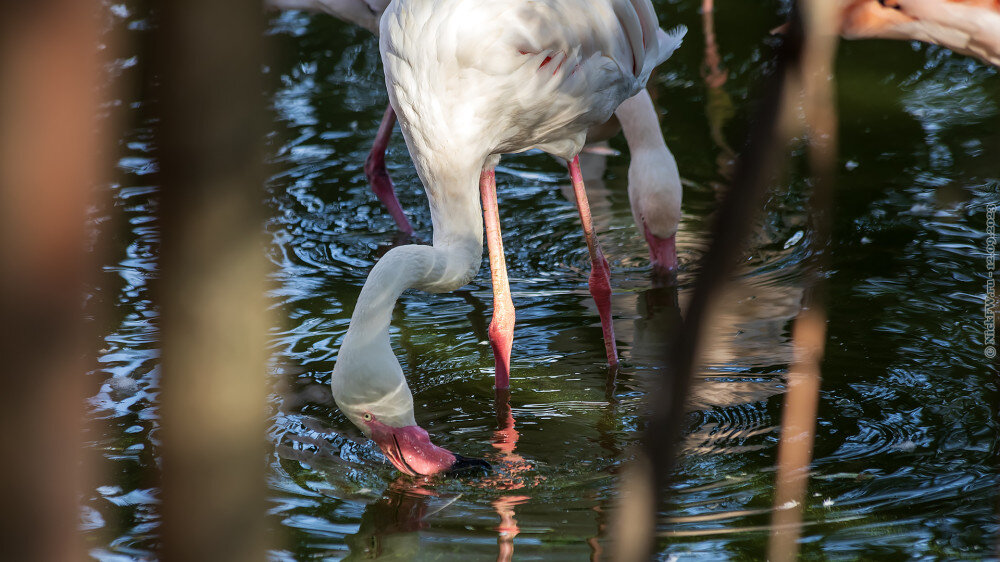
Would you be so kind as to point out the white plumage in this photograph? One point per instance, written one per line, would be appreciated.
(471, 80)
(654, 186)
(512, 76)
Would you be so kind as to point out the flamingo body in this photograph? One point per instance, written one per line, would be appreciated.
(505, 77)
(471, 80)
(654, 183)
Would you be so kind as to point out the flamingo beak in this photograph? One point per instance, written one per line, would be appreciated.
(662, 252)
(468, 465)
(410, 450)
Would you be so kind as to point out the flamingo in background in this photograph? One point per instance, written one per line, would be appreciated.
(969, 27)
(471, 80)
(654, 186)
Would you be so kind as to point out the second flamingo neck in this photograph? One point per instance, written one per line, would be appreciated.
(640, 123)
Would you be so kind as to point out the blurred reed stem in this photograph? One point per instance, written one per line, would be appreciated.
(798, 424)
(645, 482)
(208, 56)
(49, 84)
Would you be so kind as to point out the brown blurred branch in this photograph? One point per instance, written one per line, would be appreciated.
(645, 483)
(49, 74)
(798, 424)
(214, 327)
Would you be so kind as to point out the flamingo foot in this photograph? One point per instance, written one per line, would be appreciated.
(382, 186)
(378, 175)
(505, 437)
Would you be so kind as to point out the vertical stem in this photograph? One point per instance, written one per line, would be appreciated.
(645, 482)
(798, 426)
(214, 324)
(49, 74)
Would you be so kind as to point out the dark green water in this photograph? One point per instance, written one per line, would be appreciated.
(906, 447)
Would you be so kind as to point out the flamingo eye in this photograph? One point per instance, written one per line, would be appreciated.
(367, 417)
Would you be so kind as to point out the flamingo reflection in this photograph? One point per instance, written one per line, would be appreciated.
(390, 526)
(719, 105)
(509, 476)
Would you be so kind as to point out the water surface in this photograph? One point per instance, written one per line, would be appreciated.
(906, 450)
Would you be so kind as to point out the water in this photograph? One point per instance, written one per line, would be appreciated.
(906, 450)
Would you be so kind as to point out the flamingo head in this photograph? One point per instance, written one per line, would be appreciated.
(662, 251)
(654, 188)
(382, 408)
(410, 450)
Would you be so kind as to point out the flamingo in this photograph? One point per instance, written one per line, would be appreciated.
(969, 27)
(471, 80)
(654, 186)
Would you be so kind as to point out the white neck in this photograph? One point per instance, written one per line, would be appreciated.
(654, 184)
(640, 123)
(367, 375)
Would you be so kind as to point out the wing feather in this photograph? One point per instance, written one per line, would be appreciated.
(532, 73)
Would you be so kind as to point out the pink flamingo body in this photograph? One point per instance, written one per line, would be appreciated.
(969, 27)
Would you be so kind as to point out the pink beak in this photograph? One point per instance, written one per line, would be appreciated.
(662, 252)
(410, 450)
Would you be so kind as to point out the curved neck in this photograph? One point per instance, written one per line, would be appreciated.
(640, 123)
(431, 268)
(367, 373)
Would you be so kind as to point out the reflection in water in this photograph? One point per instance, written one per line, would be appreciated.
(507, 475)
(718, 104)
(390, 525)
(659, 317)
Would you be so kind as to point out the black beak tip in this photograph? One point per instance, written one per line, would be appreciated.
(467, 466)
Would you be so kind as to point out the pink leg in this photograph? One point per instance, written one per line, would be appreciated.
(502, 325)
(600, 273)
(378, 176)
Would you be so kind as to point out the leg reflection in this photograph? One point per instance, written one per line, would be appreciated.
(509, 476)
(719, 106)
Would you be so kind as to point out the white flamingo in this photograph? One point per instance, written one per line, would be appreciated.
(471, 80)
(654, 186)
